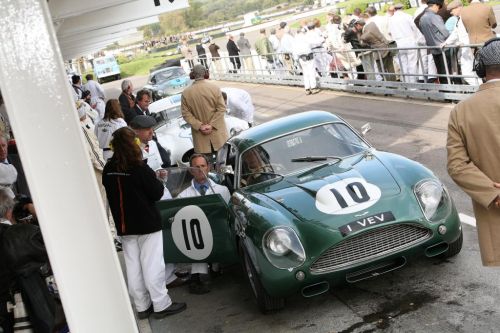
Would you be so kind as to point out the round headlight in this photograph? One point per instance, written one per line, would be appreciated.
(429, 194)
(279, 242)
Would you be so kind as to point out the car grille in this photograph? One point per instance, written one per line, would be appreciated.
(369, 246)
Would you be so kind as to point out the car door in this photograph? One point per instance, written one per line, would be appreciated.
(195, 228)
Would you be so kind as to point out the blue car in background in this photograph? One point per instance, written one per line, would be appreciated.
(167, 82)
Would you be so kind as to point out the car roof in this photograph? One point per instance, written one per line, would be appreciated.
(165, 103)
(164, 69)
(281, 126)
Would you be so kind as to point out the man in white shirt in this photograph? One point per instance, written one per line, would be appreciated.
(200, 186)
(95, 88)
(406, 34)
(239, 104)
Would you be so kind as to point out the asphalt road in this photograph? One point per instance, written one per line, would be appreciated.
(428, 295)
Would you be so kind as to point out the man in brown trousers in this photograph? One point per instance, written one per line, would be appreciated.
(473, 151)
(203, 108)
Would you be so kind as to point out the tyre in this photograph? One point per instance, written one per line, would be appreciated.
(455, 247)
(118, 77)
(265, 302)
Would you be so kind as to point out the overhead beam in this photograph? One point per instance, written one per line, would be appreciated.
(61, 9)
(113, 16)
(111, 30)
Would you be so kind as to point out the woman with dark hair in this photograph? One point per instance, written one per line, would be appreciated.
(132, 190)
(113, 120)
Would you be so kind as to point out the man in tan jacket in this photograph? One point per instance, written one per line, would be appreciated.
(479, 21)
(203, 108)
(473, 152)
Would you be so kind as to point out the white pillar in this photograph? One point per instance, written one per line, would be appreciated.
(50, 142)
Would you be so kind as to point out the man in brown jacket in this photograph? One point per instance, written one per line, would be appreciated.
(203, 108)
(371, 37)
(479, 21)
(473, 153)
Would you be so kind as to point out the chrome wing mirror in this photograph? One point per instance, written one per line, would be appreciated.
(365, 129)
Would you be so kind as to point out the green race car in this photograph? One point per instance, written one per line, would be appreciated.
(312, 205)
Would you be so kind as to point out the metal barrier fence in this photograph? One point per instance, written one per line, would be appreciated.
(342, 71)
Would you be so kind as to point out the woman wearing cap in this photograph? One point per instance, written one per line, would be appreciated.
(113, 120)
(132, 190)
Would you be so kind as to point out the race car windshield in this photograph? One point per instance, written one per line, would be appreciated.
(324, 143)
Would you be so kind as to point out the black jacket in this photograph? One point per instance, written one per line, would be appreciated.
(125, 103)
(23, 248)
(135, 111)
(132, 197)
(232, 49)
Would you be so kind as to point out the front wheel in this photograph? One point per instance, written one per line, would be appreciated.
(265, 302)
(455, 247)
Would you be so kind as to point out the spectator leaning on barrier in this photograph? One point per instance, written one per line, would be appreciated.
(459, 36)
(479, 21)
(233, 51)
(302, 52)
(473, 145)
(373, 38)
(435, 33)
(286, 46)
(406, 34)
(214, 52)
(245, 52)
(187, 52)
(264, 48)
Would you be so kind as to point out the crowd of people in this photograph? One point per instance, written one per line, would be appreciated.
(426, 47)
(128, 163)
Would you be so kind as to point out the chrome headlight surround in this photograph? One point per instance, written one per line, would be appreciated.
(282, 247)
(433, 199)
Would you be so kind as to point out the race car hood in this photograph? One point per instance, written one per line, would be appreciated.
(335, 194)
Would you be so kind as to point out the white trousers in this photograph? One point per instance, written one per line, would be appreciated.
(146, 271)
(409, 59)
(309, 73)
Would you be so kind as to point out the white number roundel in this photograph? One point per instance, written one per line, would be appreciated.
(192, 233)
(347, 196)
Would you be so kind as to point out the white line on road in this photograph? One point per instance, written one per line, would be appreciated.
(467, 219)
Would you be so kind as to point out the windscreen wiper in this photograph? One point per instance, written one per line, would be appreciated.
(315, 158)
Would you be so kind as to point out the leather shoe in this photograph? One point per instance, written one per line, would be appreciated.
(145, 314)
(172, 309)
(177, 283)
